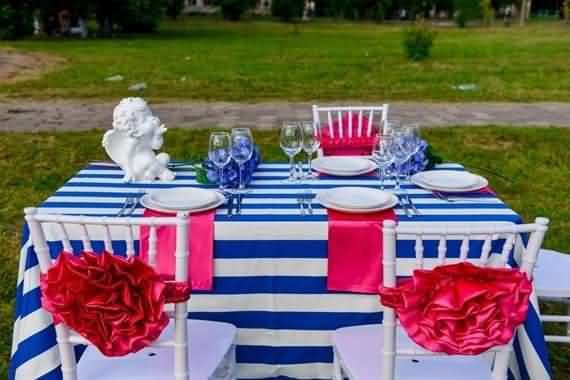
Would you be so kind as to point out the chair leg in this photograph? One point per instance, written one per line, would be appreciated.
(568, 324)
(337, 368)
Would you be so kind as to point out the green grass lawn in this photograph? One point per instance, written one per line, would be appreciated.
(208, 59)
(536, 163)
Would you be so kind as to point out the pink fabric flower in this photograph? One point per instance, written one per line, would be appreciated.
(461, 308)
(115, 303)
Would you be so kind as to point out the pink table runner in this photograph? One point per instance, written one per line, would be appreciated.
(201, 245)
(355, 251)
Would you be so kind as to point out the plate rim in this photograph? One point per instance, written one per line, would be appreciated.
(483, 182)
(146, 199)
(164, 206)
(371, 167)
(392, 202)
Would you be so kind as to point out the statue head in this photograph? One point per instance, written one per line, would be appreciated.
(134, 117)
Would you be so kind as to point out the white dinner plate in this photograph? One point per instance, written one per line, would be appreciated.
(147, 202)
(183, 198)
(449, 181)
(356, 199)
(343, 165)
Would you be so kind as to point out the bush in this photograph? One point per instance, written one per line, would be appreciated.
(234, 9)
(466, 10)
(138, 16)
(15, 19)
(287, 10)
(418, 41)
(174, 8)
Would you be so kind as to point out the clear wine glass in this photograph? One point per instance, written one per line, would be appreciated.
(291, 141)
(311, 143)
(242, 150)
(413, 144)
(383, 156)
(219, 153)
(401, 154)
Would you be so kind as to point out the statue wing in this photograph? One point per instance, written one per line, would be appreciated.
(118, 146)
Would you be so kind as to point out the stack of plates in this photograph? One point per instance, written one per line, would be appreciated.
(343, 166)
(356, 199)
(451, 181)
(189, 199)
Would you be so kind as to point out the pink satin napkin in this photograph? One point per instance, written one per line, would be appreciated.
(355, 250)
(348, 146)
(201, 245)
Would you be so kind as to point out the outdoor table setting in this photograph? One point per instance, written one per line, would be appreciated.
(287, 253)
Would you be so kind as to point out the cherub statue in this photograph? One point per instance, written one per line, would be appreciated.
(136, 134)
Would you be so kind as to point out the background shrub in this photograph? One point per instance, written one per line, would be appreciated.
(15, 18)
(174, 8)
(287, 10)
(465, 11)
(418, 41)
(138, 16)
(234, 9)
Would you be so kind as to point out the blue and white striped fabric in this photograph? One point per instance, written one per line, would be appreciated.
(270, 275)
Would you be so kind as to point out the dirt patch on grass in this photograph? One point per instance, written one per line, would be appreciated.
(17, 66)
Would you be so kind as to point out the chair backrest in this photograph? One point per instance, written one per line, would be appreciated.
(366, 115)
(511, 237)
(55, 228)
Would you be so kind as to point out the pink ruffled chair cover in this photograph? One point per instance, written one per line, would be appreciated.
(115, 303)
(461, 308)
(348, 146)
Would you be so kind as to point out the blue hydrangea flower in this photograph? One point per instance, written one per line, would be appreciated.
(230, 177)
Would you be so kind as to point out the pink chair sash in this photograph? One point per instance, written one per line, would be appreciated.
(461, 308)
(115, 303)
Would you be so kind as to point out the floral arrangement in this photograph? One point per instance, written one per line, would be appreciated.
(424, 159)
(207, 172)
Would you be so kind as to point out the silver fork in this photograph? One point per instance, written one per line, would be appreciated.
(309, 200)
(126, 204)
(301, 204)
(404, 205)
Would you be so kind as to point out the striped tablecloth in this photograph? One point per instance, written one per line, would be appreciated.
(270, 275)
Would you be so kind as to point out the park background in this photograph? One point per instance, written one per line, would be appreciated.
(270, 55)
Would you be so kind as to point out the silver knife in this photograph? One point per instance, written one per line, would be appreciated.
(239, 200)
(230, 203)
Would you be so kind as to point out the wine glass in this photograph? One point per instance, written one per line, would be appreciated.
(242, 150)
(401, 154)
(311, 143)
(291, 141)
(413, 144)
(219, 153)
(383, 156)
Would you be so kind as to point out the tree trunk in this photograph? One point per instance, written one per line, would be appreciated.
(522, 11)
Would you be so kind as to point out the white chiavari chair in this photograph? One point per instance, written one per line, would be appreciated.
(186, 348)
(373, 352)
(338, 120)
(552, 284)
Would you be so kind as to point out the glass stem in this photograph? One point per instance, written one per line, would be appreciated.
(291, 168)
(221, 178)
(397, 177)
(241, 186)
(310, 169)
(381, 175)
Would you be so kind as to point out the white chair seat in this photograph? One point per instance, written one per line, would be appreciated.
(210, 352)
(552, 274)
(359, 349)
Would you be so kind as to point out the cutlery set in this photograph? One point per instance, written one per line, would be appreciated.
(305, 203)
(235, 201)
(129, 206)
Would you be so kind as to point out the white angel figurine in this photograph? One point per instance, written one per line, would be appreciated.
(136, 134)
